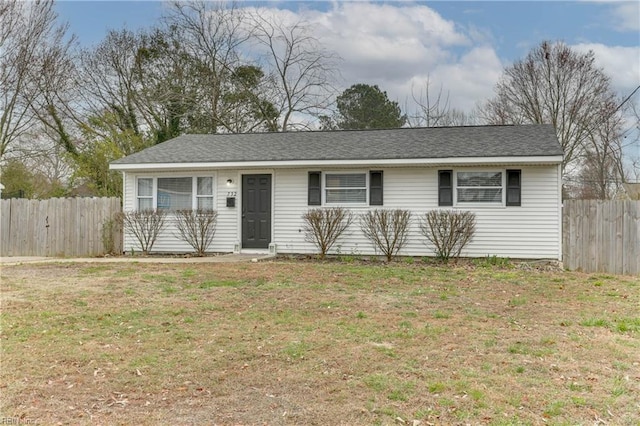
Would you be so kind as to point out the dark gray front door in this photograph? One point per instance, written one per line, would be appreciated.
(256, 211)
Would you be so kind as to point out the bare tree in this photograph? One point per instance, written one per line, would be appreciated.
(144, 80)
(17, 45)
(109, 77)
(555, 85)
(633, 171)
(430, 111)
(435, 110)
(458, 117)
(29, 40)
(55, 91)
(603, 174)
(211, 35)
(166, 92)
(303, 71)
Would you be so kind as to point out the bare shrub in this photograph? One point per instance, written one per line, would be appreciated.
(112, 235)
(323, 227)
(449, 231)
(144, 225)
(197, 228)
(387, 230)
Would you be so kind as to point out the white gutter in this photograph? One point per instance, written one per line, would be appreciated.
(555, 159)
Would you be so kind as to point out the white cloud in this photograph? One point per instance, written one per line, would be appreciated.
(388, 42)
(620, 63)
(472, 78)
(398, 47)
(465, 81)
(626, 16)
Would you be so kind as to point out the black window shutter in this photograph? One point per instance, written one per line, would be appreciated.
(513, 187)
(375, 188)
(315, 189)
(445, 187)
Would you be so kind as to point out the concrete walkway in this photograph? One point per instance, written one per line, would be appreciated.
(224, 258)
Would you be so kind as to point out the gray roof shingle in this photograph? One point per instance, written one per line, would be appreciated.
(387, 144)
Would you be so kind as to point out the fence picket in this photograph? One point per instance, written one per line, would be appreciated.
(631, 235)
(601, 236)
(56, 226)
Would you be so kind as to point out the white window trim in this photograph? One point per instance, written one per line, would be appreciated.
(197, 196)
(194, 188)
(146, 197)
(502, 203)
(323, 187)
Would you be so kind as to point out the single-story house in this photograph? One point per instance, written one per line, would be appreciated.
(262, 183)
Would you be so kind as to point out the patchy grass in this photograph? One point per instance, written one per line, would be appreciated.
(318, 343)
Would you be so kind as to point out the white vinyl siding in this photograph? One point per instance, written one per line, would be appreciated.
(226, 230)
(531, 230)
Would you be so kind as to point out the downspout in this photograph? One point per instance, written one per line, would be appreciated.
(560, 212)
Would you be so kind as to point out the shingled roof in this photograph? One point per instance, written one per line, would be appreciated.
(387, 144)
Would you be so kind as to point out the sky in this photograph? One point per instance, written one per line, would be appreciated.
(461, 46)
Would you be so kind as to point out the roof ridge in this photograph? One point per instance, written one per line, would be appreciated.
(473, 126)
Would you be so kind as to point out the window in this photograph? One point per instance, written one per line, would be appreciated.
(347, 188)
(204, 193)
(375, 188)
(175, 193)
(145, 194)
(513, 187)
(479, 187)
(500, 188)
(445, 187)
(314, 189)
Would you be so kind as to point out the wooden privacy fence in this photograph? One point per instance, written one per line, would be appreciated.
(59, 227)
(601, 236)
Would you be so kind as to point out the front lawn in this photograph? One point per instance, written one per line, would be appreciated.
(317, 343)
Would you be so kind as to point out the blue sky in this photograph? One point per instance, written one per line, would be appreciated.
(514, 25)
(461, 46)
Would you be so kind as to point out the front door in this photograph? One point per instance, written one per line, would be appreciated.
(256, 211)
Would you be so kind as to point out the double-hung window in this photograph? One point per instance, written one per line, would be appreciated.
(499, 188)
(175, 193)
(204, 193)
(479, 187)
(145, 193)
(345, 188)
(356, 188)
